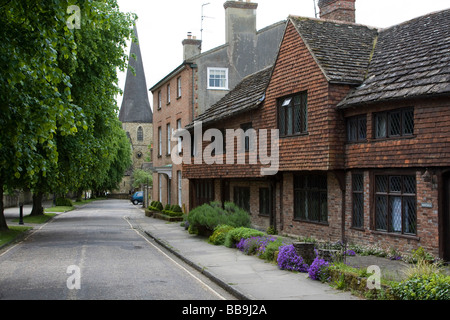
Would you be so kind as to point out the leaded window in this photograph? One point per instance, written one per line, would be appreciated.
(310, 198)
(293, 114)
(358, 200)
(396, 204)
(395, 123)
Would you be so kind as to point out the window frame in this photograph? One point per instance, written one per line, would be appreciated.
(159, 100)
(264, 201)
(140, 134)
(305, 195)
(159, 141)
(387, 117)
(169, 137)
(357, 216)
(359, 122)
(226, 79)
(241, 197)
(168, 93)
(388, 195)
(179, 87)
(286, 125)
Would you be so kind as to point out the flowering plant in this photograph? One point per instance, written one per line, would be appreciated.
(318, 269)
(288, 259)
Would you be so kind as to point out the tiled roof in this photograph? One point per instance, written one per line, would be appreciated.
(411, 59)
(246, 96)
(341, 49)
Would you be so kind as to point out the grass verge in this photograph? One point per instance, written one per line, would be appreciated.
(12, 234)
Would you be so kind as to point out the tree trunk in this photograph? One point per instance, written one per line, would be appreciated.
(38, 209)
(3, 224)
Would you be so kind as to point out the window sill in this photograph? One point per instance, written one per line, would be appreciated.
(295, 135)
(396, 235)
(323, 224)
(219, 89)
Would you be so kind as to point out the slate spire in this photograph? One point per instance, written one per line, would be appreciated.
(135, 104)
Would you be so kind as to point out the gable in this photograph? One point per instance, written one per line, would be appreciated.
(342, 50)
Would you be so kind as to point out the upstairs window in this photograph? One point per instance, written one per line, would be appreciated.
(179, 87)
(168, 94)
(159, 100)
(140, 134)
(293, 115)
(218, 78)
(395, 123)
(357, 129)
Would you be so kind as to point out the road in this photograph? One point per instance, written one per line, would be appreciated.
(94, 253)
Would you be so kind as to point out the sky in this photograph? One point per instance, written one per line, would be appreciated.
(163, 25)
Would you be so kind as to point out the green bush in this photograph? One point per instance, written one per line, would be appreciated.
(220, 232)
(156, 206)
(209, 216)
(63, 202)
(271, 249)
(235, 235)
(175, 208)
(423, 287)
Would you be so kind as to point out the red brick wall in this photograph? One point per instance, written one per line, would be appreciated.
(427, 219)
(296, 71)
(430, 145)
(179, 108)
(330, 231)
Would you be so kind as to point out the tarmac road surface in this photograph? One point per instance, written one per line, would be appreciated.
(94, 253)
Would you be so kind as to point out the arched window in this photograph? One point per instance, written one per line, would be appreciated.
(140, 134)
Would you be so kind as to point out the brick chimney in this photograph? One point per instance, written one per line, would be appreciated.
(191, 47)
(338, 10)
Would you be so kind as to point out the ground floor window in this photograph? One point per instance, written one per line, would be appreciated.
(396, 203)
(242, 197)
(310, 198)
(204, 192)
(358, 200)
(264, 201)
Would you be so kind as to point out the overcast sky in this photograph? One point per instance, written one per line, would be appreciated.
(162, 25)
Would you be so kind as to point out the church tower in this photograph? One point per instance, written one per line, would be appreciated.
(136, 115)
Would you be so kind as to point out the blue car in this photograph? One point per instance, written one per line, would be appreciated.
(138, 197)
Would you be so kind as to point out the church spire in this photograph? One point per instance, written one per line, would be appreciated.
(135, 104)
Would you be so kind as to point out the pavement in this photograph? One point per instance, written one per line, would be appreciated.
(246, 277)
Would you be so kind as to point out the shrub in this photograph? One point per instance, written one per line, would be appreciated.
(288, 259)
(220, 232)
(175, 208)
(423, 287)
(63, 202)
(156, 206)
(235, 235)
(271, 249)
(211, 215)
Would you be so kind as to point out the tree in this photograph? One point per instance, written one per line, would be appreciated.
(141, 177)
(57, 94)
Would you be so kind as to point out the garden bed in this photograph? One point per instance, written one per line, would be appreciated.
(162, 216)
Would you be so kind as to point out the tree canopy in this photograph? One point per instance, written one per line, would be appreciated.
(59, 128)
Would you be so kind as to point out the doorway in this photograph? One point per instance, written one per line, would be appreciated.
(446, 217)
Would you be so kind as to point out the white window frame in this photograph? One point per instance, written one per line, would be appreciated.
(169, 137)
(180, 188)
(168, 93)
(180, 140)
(159, 99)
(179, 87)
(159, 141)
(225, 87)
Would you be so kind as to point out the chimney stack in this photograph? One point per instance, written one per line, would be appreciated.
(191, 47)
(338, 10)
(240, 19)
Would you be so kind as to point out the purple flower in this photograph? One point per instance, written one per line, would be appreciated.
(317, 268)
(288, 259)
(349, 253)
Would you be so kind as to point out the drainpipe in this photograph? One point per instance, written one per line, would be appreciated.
(193, 67)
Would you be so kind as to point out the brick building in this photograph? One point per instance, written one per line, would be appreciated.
(200, 81)
(364, 149)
